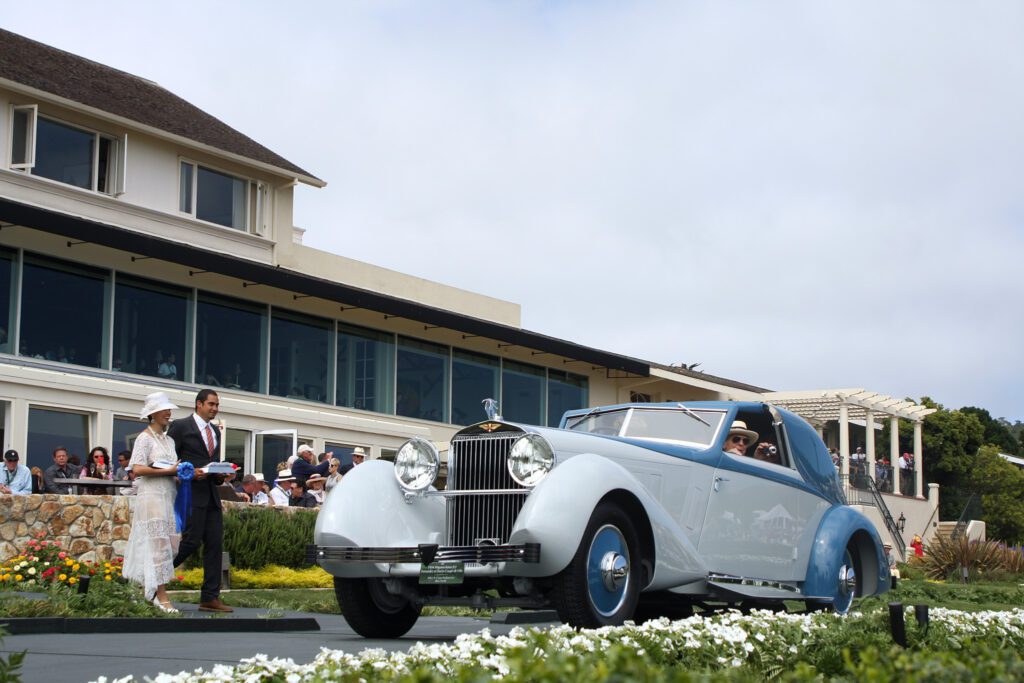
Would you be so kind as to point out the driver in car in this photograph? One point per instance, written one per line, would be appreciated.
(739, 438)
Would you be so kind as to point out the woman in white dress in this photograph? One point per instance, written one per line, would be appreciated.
(154, 537)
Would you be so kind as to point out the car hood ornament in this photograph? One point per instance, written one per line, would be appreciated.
(491, 408)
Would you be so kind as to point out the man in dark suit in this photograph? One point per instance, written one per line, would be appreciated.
(198, 442)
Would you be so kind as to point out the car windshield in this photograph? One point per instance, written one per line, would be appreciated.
(663, 424)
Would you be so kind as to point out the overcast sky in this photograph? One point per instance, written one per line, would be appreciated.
(795, 195)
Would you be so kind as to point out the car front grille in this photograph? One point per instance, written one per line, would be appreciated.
(477, 463)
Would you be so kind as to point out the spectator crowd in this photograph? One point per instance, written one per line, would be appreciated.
(299, 482)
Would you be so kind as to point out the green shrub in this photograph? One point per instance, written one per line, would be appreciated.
(945, 558)
(259, 536)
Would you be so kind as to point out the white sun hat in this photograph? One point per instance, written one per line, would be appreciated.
(156, 402)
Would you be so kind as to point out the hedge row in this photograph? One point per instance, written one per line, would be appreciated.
(257, 536)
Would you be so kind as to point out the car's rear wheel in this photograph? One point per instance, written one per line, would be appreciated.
(601, 585)
(372, 611)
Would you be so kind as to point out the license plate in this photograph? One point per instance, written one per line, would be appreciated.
(442, 573)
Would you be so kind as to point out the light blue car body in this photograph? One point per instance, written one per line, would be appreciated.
(713, 525)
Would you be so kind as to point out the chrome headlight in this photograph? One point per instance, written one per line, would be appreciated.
(529, 459)
(416, 464)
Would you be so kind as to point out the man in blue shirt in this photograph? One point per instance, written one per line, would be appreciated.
(16, 479)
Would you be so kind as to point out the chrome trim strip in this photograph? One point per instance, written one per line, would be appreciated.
(747, 581)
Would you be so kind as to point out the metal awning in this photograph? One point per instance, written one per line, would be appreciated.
(822, 405)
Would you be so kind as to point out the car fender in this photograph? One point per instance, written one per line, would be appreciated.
(368, 509)
(558, 510)
(841, 526)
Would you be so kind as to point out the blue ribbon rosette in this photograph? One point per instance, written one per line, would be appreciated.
(183, 500)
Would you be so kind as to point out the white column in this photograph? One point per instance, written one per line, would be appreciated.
(894, 452)
(918, 457)
(844, 438)
(869, 440)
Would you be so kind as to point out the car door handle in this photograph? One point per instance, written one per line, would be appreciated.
(719, 480)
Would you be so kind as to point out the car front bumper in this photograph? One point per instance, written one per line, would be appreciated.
(425, 553)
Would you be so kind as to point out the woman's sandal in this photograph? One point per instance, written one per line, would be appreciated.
(163, 606)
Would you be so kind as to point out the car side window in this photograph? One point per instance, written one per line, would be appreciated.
(769, 446)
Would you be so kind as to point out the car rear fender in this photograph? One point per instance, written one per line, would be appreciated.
(843, 526)
(558, 510)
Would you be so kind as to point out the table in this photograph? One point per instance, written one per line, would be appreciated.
(75, 483)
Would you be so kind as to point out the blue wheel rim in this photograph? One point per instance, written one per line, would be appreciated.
(608, 540)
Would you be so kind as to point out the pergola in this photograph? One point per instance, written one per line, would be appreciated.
(821, 406)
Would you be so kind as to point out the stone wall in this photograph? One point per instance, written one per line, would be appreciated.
(91, 528)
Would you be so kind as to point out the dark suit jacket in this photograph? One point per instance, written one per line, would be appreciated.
(190, 446)
(303, 470)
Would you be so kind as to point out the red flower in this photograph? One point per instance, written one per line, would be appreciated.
(180, 577)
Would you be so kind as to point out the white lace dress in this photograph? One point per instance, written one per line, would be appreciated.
(154, 539)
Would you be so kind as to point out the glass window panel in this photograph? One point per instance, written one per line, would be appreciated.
(474, 378)
(234, 448)
(220, 198)
(230, 343)
(19, 151)
(566, 391)
(185, 190)
(48, 429)
(8, 273)
(62, 311)
(299, 356)
(522, 393)
(126, 430)
(422, 379)
(64, 153)
(366, 369)
(271, 450)
(150, 327)
(341, 452)
(103, 166)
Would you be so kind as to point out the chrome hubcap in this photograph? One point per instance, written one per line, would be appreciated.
(614, 570)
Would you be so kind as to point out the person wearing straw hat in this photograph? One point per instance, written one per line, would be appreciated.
(282, 488)
(153, 540)
(739, 438)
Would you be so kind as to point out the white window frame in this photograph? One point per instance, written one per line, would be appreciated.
(118, 150)
(257, 198)
(30, 135)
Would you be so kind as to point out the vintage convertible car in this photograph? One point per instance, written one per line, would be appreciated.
(623, 512)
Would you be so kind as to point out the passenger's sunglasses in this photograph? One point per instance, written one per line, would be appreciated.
(741, 440)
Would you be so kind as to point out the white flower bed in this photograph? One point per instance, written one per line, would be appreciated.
(722, 640)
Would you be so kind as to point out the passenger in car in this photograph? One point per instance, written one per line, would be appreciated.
(739, 438)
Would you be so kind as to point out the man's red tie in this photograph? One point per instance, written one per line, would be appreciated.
(209, 440)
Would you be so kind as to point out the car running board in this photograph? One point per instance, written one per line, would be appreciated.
(754, 588)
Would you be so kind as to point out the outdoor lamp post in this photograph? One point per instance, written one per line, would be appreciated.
(901, 523)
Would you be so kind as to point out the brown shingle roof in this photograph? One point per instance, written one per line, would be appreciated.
(696, 374)
(75, 78)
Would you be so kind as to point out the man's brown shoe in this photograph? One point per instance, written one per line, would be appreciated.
(214, 605)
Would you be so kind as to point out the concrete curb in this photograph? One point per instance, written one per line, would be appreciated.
(185, 624)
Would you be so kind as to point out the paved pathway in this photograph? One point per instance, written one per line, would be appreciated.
(77, 658)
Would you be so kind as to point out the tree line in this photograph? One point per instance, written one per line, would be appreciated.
(962, 454)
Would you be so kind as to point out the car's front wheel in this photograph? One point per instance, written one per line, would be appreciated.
(601, 585)
(372, 611)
